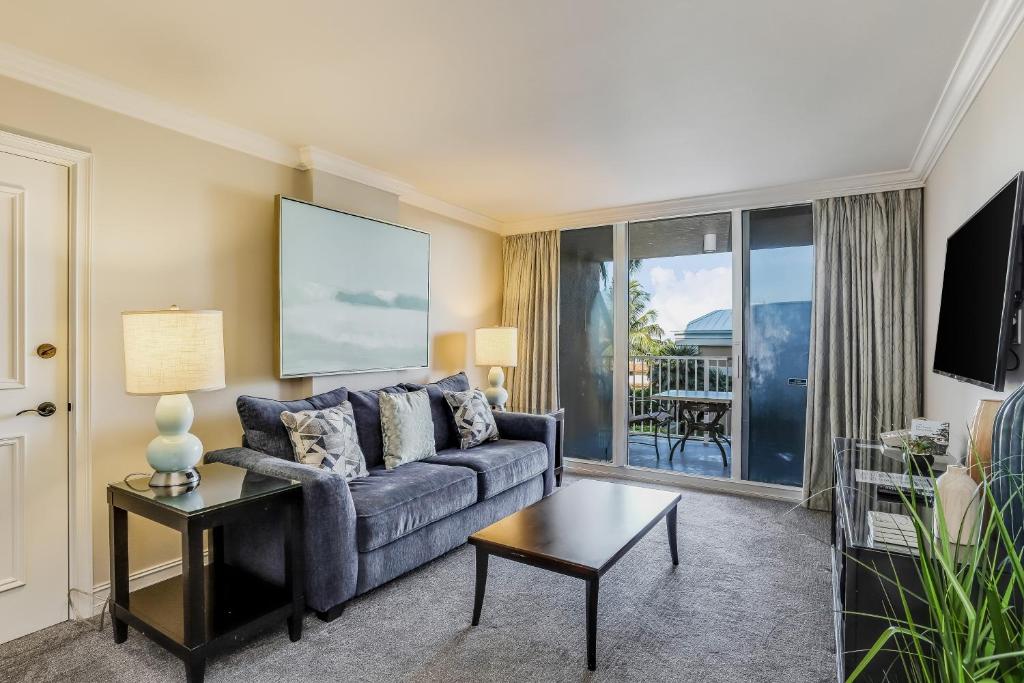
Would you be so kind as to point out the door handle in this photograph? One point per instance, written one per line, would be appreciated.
(44, 409)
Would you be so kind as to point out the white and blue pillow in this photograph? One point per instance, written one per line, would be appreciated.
(327, 439)
(473, 417)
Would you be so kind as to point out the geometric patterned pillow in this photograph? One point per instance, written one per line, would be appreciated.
(472, 416)
(327, 439)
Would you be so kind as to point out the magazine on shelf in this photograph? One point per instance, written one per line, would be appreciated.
(889, 531)
(893, 481)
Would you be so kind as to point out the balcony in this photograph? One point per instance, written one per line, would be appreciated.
(670, 389)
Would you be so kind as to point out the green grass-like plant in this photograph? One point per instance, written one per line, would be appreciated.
(975, 603)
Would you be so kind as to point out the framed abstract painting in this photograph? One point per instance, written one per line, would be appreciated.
(354, 292)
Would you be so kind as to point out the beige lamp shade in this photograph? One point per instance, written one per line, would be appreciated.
(497, 346)
(173, 351)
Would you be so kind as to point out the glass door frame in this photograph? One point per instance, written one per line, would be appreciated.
(619, 465)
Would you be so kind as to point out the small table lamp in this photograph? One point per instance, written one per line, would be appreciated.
(168, 353)
(497, 347)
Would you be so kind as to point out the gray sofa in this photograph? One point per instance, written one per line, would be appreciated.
(365, 532)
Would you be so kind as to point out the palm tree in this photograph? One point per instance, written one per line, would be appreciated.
(646, 336)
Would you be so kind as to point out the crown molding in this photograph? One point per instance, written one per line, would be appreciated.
(745, 199)
(72, 82)
(995, 26)
(316, 159)
(434, 205)
(27, 67)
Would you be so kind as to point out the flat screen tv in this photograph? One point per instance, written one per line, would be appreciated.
(980, 292)
(354, 292)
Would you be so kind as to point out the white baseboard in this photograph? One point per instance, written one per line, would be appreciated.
(137, 580)
(651, 476)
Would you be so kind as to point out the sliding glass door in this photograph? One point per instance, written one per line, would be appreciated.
(586, 341)
(778, 268)
(680, 344)
(683, 345)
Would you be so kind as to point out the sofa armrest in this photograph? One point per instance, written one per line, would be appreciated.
(329, 529)
(529, 427)
(270, 465)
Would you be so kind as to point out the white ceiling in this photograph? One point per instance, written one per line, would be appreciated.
(520, 109)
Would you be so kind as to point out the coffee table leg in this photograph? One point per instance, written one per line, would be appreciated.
(481, 583)
(592, 586)
(670, 522)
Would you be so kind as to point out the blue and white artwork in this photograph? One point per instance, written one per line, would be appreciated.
(354, 293)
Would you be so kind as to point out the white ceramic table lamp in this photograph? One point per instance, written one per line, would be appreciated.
(497, 347)
(168, 353)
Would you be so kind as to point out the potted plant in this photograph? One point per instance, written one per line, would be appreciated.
(975, 603)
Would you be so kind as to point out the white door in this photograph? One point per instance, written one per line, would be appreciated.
(33, 448)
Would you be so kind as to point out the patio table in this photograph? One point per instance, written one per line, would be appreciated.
(694, 405)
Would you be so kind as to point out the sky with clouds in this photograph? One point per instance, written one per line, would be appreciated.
(684, 288)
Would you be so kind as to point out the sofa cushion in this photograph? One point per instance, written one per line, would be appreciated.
(366, 408)
(392, 503)
(445, 433)
(262, 428)
(499, 465)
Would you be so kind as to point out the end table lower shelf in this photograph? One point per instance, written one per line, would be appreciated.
(238, 605)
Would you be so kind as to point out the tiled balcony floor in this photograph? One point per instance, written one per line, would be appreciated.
(698, 458)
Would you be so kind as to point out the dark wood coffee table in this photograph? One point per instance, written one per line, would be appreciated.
(582, 531)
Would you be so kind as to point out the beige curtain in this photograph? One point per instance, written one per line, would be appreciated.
(865, 353)
(530, 303)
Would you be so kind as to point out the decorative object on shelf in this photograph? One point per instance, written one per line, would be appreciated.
(169, 353)
(979, 453)
(497, 347)
(896, 438)
(930, 434)
(958, 497)
(927, 439)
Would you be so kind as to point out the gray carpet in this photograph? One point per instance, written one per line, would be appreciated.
(750, 601)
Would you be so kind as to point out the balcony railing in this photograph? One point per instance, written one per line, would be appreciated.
(651, 375)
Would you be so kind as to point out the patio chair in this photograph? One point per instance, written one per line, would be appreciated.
(657, 417)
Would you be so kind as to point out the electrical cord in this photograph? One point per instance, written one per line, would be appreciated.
(1016, 358)
(79, 617)
(135, 488)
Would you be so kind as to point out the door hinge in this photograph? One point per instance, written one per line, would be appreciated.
(69, 407)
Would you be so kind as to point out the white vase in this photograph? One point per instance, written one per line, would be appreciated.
(958, 494)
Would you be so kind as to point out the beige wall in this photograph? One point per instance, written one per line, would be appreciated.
(465, 280)
(180, 221)
(984, 153)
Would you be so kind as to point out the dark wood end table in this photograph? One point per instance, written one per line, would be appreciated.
(207, 607)
(581, 531)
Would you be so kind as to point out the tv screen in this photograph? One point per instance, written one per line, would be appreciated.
(978, 288)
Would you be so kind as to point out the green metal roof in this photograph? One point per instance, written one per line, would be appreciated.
(711, 329)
